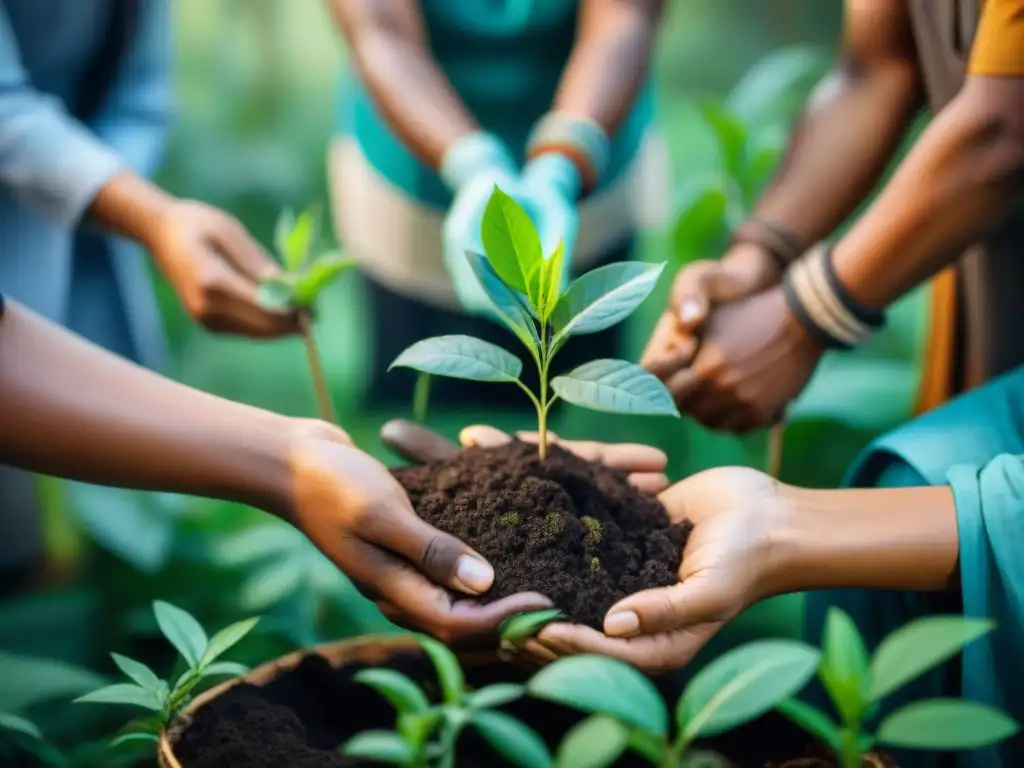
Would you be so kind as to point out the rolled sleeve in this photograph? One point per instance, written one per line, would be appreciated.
(998, 48)
(48, 160)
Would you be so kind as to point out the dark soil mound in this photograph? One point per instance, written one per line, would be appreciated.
(535, 522)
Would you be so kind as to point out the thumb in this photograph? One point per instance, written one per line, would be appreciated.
(691, 602)
(704, 283)
(483, 436)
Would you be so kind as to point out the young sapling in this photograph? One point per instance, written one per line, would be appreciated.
(525, 292)
(627, 712)
(160, 697)
(858, 684)
(426, 733)
(300, 285)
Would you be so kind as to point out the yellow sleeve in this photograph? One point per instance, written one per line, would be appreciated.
(999, 43)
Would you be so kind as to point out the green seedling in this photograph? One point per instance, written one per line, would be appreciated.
(426, 733)
(300, 284)
(160, 697)
(593, 529)
(627, 712)
(525, 293)
(858, 684)
(595, 564)
(509, 518)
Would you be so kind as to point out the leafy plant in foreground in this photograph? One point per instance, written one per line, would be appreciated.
(301, 284)
(426, 733)
(858, 684)
(158, 696)
(628, 713)
(525, 291)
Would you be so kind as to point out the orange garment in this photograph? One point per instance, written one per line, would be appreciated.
(998, 48)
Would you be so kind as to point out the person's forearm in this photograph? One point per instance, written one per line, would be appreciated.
(892, 538)
(610, 61)
(130, 206)
(962, 180)
(393, 59)
(71, 409)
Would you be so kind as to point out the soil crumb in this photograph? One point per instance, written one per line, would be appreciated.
(571, 529)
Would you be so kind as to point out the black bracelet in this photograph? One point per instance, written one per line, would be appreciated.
(800, 312)
(785, 246)
(875, 318)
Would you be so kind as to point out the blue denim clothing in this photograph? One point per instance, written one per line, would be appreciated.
(975, 444)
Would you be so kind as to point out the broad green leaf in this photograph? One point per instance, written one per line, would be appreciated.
(918, 647)
(596, 742)
(276, 293)
(512, 244)
(845, 665)
(946, 724)
(282, 229)
(300, 239)
(585, 682)
(701, 227)
(228, 638)
(507, 306)
(403, 694)
(645, 744)
(551, 284)
(320, 274)
(449, 672)
(134, 738)
(379, 746)
(813, 720)
(417, 728)
(731, 135)
(527, 625)
(183, 631)
(604, 297)
(496, 695)
(776, 85)
(743, 685)
(272, 583)
(518, 743)
(19, 725)
(615, 386)
(460, 357)
(30, 681)
(123, 693)
(226, 668)
(141, 675)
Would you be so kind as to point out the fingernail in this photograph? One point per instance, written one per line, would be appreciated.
(622, 624)
(689, 311)
(473, 575)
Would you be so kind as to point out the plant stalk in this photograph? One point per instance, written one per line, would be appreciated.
(775, 445)
(421, 398)
(851, 755)
(323, 396)
(542, 409)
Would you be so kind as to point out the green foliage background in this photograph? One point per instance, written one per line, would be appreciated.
(256, 86)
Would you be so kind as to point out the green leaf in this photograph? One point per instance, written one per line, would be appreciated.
(813, 720)
(512, 244)
(300, 239)
(947, 724)
(183, 631)
(919, 646)
(226, 668)
(30, 681)
(276, 293)
(701, 225)
(526, 625)
(596, 742)
(417, 728)
(141, 674)
(320, 274)
(449, 672)
(123, 693)
(776, 85)
(507, 306)
(744, 684)
(731, 135)
(495, 695)
(403, 694)
(587, 682)
(518, 743)
(615, 386)
(282, 229)
(228, 638)
(20, 725)
(134, 738)
(460, 357)
(551, 285)
(605, 297)
(762, 155)
(845, 665)
(271, 584)
(647, 745)
(380, 746)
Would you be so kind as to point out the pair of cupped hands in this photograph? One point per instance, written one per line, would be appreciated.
(352, 508)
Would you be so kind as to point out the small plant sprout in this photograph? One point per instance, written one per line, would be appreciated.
(593, 529)
(426, 733)
(525, 292)
(164, 700)
(300, 285)
(858, 684)
(627, 712)
(509, 518)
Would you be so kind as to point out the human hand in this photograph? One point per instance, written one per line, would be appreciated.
(216, 269)
(729, 563)
(754, 358)
(351, 507)
(550, 186)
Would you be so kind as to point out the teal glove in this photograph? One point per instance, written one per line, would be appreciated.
(549, 188)
(471, 168)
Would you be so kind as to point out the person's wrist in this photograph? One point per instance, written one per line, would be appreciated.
(473, 154)
(578, 139)
(755, 260)
(796, 532)
(557, 171)
(132, 207)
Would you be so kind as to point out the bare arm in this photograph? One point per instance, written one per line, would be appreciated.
(392, 57)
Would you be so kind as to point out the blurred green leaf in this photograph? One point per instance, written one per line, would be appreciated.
(812, 720)
(272, 583)
(300, 239)
(777, 85)
(845, 665)
(596, 742)
(282, 230)
(276, 293)
(19, 725)
(399, 689)
(527, 625)
(946, 724)
(731, 135)
(701, 227)
(379, 746)
(518, 743)
(320, 274)
(495, 695)
(226, 668)
(29, 681)
(134, 739)
(449, 671)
